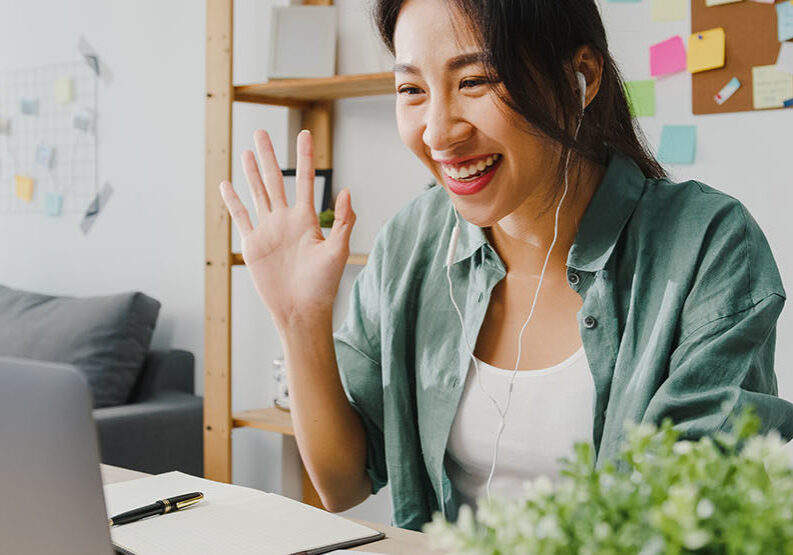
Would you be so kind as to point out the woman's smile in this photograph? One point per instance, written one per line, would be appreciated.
(472, 176)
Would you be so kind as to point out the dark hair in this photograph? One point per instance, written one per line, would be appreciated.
(530, 45)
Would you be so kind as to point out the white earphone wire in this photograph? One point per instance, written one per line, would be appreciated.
(453, 244)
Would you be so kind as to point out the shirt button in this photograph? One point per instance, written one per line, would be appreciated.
(590, 322)
(573, 279)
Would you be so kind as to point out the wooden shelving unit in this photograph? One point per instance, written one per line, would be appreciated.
(314, 98)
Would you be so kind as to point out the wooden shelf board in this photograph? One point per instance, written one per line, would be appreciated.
(354, 259)
(271, 419)
(301, 91)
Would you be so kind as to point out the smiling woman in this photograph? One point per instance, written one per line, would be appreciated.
(636, 299)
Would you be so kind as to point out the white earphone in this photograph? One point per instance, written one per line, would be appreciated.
(581, 79)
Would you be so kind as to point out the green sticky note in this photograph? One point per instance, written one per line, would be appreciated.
(641, 97)
(678, 144)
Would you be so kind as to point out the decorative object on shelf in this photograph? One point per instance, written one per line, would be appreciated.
(326, 218)
(281, 397)
(322, 187)
(302, 42)
(729, 493)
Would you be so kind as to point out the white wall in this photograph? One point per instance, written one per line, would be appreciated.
(151, 127)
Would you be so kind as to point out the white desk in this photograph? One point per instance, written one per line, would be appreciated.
(396, 542)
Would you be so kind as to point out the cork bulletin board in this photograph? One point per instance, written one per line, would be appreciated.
(751, 40)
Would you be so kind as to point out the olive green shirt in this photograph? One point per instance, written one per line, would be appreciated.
(681, 297)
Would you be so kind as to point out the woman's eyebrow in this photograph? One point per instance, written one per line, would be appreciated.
(452, 64)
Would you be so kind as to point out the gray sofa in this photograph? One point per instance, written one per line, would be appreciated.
(147, 415)
(160, 428)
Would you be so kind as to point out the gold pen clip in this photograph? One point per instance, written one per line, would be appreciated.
(183, 504)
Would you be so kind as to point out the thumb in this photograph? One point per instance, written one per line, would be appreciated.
(344, 219)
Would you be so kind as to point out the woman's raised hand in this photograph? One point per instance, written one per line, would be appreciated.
(295, 270)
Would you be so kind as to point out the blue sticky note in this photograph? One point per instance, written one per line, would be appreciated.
(788, 103)
(678, 144)
(53, 203)
(784, 20)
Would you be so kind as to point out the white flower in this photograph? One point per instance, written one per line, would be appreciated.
(696, 539)
(683, 447)
(705, 508)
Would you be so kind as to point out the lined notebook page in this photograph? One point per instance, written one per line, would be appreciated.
(230, 520)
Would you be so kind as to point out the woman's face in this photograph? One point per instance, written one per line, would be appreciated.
(450, 118)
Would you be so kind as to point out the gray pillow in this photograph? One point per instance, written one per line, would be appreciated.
(106, 337)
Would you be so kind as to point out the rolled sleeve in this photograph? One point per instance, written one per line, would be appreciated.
(357, 345)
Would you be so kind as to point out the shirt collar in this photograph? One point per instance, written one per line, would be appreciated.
(609, 209)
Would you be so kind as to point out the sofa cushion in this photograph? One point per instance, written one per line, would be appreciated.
(106, 337)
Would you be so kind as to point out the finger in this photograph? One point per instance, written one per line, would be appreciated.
(239, 214)
(305, 169)
(273, 179)
(260, 199)
(344, 219)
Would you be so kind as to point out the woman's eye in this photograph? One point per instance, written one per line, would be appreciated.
(409, 90)
(472, 82)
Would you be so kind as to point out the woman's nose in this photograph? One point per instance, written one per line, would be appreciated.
(444, 127)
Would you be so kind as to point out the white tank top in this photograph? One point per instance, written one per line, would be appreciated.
(550, 410)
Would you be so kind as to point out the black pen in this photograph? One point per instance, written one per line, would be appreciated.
(158, 507)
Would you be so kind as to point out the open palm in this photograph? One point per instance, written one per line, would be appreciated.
(295, 270)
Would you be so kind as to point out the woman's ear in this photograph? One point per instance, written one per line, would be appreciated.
(590, 63)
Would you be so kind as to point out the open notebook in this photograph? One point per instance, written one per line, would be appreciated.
(230, 520)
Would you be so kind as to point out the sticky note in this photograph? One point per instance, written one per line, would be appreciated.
(53, 203)
(667, 57)
(30, 106)
(727, 91)
(770, 87)
(706, 50)
(678, 144)
(83, 119)
(64, 92)
(784, 21)
(24, 187)
(44, 155)
(784, 61)
(669, 10)
(720, 2)
(641, 97)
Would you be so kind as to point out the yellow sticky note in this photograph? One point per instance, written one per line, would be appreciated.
(24, 187)
(720, 2)
(669, 10)
(706, 50)
(63, 90)
(770, 87)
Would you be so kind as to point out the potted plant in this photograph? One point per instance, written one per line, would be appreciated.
(326, 221)
(732, 493)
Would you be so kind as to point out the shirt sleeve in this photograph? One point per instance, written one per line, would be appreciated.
(357, 344)
(725, 359)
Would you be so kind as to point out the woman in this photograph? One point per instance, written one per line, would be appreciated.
(452, 373)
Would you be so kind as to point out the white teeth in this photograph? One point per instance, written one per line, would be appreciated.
(473, 169)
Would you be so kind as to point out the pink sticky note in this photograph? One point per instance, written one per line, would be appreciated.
(667, 57)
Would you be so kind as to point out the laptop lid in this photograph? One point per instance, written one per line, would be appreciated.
(51, 496)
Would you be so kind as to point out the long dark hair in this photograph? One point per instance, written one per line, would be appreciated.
(530, 45)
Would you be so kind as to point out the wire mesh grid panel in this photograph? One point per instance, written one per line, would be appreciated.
(48, 144)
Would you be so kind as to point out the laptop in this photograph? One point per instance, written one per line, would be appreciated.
(51, 496)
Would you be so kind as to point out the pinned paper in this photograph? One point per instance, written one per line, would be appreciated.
(83, 119)
(727, 91)
(44, 156)
(64, 92)
(24, 187)
(641, 97)
(678, 144)
(720, 2)
(96, 206)
(784, 21)
(667, 57)
(30, 106)
(784, 61)
(53, 203)
(770, 87)
(5, 126)
(669, 10)
(706, 50)
(94, 61)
